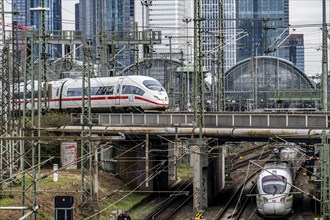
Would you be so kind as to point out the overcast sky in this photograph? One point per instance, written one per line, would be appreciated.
(304, 14)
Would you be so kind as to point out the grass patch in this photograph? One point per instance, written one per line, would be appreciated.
(184, 171)
(7, 201)
(124, 204)
(43, 215)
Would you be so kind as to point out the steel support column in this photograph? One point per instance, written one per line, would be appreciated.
(220, 92)
(86, 119)
(325, 73)
(198, 79)
(325, 176)
(28, 116)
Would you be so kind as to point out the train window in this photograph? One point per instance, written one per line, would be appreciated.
(103, 90)
(153, 85)
(132, 90)
(274, 184)
(74, 92)
(18, 95)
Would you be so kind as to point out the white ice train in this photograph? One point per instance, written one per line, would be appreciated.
(122, 93)
(275, 182)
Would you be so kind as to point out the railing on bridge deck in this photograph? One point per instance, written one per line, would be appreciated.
(239, 120)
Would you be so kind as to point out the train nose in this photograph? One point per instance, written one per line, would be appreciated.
(275, 208)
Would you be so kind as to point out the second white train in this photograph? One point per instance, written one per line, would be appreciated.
(275, 182)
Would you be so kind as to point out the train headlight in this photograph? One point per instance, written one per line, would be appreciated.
(282, 200)
(264, 199)
(156, 97)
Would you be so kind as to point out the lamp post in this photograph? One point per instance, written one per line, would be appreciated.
(41, 85)
(145, 3)
(187, 20)
(147, 55)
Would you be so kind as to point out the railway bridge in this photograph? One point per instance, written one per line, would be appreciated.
(151, 144)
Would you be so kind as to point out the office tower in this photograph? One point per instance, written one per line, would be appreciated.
(23, 8)
(78, 53)
(265, 20)
(110, 17)
(296, 50)
(211, 32)
(30, 19)
(168, 17)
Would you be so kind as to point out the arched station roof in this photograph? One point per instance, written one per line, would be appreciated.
(266, 80)
(272, 71)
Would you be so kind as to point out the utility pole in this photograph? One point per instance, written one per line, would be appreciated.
(42, 97)
(86, 121)
(325, 176)
(198, 147)
(4, 65)
(198, 80)
(28, 119)
(220, 106)
(147, 48)
(187, 85)
(324, 60)
(136, 50)
(170, 77)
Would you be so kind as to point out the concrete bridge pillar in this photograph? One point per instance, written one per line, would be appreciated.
(199, 161)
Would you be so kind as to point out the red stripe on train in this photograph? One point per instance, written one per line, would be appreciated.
(99, 98)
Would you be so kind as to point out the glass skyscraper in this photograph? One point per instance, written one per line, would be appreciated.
(112, 17)
(211, 32)
(264, 20)
(31, 19)
(297, 51)
(24, 16)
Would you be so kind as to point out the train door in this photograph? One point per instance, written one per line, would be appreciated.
(57, 97)
(118, 92)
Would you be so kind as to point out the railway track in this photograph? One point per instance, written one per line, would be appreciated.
(161, 206)
(169, 208)
(241, 163)
(238, 199)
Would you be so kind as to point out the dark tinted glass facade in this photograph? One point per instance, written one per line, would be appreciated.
(119, 17)
(296, 50)
(22, 7)
(264, 20)
(31, 19)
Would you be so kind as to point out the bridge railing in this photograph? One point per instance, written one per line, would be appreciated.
(256, 120)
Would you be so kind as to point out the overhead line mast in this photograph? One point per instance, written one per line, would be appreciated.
(324, 60)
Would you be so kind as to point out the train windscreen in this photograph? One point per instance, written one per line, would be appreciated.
(274, 184)
(153, 85)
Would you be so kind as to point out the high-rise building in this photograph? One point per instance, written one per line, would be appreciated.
(77, 28)
(175, 19)
(265, 21)
(213, 12)
(110, 17)
(167, 16)
(296, 50)
(30, 19)
(24, 16)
